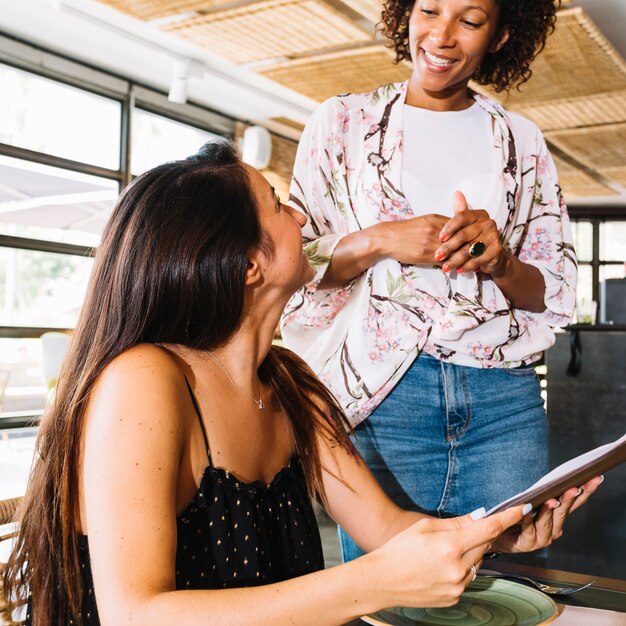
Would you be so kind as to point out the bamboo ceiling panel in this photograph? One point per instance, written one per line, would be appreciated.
(578, 61)
(157, 9)
(283, 156)
(616, 174)
(370, 9)
(270, 29)
(287, 122)
(601, 148)
(280, 184)
(587, 111)
(576, 183)
(326, 75)
(279, 171)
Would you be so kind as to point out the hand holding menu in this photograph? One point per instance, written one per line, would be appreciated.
(570, 474)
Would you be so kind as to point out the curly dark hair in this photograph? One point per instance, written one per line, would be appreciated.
(529, 22)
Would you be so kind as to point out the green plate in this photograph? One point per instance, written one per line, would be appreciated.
(486, 602)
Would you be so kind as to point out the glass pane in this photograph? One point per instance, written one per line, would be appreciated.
(17, 447)
(45, 115)
(157, 139)
(22, 384)
(585, 307)
(612, 299)
(41, 288)
(583, 240)
(613, 241)
(612, 271)
(42, 202)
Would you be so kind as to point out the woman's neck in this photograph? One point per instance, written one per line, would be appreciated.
(456, 98)
(246, 349)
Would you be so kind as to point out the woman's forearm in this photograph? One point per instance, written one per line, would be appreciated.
(325, 598)
(354, 254)
(522, 284)
(412, 241)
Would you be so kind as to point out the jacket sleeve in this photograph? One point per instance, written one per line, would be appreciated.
(547, 243)
(319, 190)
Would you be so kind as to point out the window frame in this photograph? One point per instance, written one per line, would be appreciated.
(131, 95)
(597, 216)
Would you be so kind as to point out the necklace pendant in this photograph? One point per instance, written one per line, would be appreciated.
(261, 404)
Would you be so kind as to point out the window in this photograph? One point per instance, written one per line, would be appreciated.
(16, 451)
(47, 116)
(40, 288)
(613, 242)
(583, 238)
(63, 161)
(53, 204)
(601, 249)
(23, 389)
(157, 139)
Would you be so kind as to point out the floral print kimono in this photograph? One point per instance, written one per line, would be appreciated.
(362, 337)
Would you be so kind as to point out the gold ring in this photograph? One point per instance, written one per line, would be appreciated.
(476, 249)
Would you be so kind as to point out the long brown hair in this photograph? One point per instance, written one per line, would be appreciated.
(170, 269)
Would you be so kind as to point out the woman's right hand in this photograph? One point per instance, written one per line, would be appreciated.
(413, 241)
(430, 563)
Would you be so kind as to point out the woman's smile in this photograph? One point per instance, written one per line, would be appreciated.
(437, 61)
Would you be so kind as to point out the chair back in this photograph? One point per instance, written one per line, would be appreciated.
(55, 346)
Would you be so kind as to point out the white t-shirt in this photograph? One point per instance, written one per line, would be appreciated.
(444, 152)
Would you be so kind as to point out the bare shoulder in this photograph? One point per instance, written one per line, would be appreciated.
(142, 385)
(145, 364)
(141, 357)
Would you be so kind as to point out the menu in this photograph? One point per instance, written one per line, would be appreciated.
(572, 473)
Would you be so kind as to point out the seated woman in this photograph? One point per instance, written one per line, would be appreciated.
(176, 466)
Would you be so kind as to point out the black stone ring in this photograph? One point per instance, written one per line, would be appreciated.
(476, 249)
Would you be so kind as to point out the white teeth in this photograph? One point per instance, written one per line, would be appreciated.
(437, 60)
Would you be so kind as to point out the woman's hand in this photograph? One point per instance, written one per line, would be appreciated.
(430, 563)
(521, 283)
(540, 530)
(413, 241)
(459, 233)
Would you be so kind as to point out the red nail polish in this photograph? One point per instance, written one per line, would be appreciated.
(443, 235)
(439, 256)
(459, 270)
(445, 268)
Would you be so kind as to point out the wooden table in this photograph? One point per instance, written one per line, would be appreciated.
(606, 594)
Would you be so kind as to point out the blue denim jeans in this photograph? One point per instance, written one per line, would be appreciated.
(449, 439)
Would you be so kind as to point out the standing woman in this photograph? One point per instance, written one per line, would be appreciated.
(443, 258)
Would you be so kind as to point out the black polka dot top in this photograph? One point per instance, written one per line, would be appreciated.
(236, 534)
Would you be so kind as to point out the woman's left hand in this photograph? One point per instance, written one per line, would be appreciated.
(540, 530)
(465, 228)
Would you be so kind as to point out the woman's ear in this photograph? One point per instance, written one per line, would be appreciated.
(254, 273)
(500, 39)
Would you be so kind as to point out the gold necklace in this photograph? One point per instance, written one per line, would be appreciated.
(258, 402)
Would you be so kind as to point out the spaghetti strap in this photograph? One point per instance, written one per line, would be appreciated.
(197, 408)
